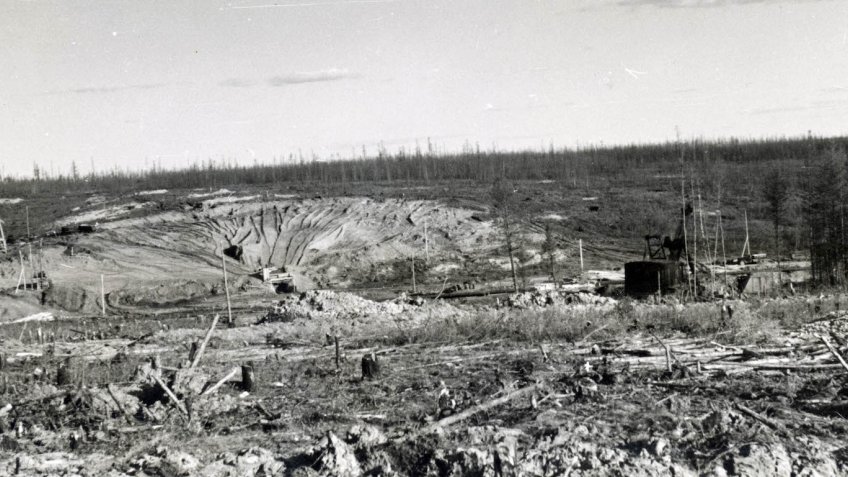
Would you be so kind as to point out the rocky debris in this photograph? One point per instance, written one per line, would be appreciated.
(189, 381)
(817, 458)
(165, 293)
(541, 299)
(756, 459)
(721, 422)
(365, 435)
(323, 304)
(167, 462)
(834, 323)
(335, 457)
(103, 402)
(249, 462)
(53, 463)
(567, 452)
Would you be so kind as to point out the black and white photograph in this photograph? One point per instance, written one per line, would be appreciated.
(493, 238)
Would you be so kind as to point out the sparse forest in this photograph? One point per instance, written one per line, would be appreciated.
(791, 189)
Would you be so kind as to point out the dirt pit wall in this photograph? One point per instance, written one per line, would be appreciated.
(172, 256)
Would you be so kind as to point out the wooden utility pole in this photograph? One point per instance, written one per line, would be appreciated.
(723, 253)
(226, 287)
(22, 277)
(102, 296)
(747, 245)
(683, 222)
(3, 238)
(40, 264)
(414, 287)
(426, 244)
(659, 284)
(695, 248)
(580, 246)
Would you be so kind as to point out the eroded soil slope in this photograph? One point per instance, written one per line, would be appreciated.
(172, 256)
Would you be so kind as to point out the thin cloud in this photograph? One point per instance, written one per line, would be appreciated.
(308, 4)
(332, 74)
(814, 106)
(237, 83)
(108, 89)
(696, 3)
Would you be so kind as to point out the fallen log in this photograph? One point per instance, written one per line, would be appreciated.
(759, 417)
(126, 414)
(170, 394)
(829, 409)
(220, 383)
(834, 352)
(205, 341)
(453, 419)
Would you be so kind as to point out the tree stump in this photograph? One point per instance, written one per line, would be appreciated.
(192, 352)
(63, 374)
(370, 366)
(248, 378)
(2, 362)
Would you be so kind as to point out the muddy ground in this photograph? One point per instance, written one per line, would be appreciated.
(357, 376)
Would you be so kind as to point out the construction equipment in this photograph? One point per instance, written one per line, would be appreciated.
(280, 279)
(667, 248)
(660, 270)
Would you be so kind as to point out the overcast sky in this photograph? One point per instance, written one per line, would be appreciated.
(127, 83)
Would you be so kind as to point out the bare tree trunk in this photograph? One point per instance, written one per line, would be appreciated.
(508, 237)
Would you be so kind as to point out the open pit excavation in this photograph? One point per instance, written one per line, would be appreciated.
(163, 259)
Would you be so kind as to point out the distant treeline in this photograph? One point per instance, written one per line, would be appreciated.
(798, 185)
(427, 165)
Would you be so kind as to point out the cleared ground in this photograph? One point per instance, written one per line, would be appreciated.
(530, 384)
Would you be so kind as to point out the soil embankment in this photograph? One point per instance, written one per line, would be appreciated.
(171, 256)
